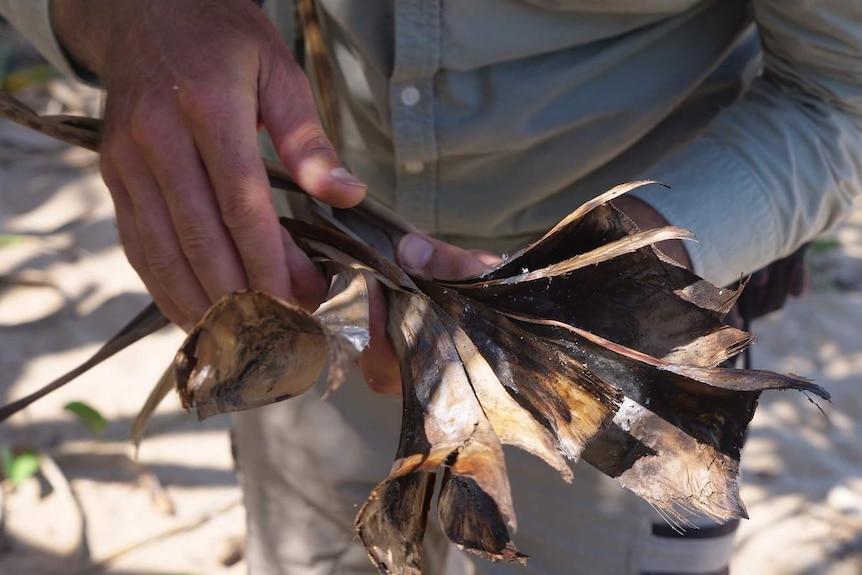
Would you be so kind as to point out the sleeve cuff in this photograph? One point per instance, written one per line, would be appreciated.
(720, 202)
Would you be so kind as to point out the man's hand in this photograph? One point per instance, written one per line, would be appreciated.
(425, 257)
(189, 83)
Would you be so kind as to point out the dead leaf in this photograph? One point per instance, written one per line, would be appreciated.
(588, 343)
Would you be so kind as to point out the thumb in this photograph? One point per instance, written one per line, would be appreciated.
(431, 258)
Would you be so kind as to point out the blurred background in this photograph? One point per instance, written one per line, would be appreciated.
(74, 499)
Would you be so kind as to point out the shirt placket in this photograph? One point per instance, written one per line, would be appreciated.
(411, 93)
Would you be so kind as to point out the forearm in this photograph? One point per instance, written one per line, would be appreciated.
(771, 174)
(781, 165)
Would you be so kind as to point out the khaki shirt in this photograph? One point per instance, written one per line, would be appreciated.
(486, 121)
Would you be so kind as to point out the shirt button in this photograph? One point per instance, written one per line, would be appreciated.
(414, 167)
(410, 96)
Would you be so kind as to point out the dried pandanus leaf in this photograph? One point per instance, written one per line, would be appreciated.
(587, 344)
(252, 349)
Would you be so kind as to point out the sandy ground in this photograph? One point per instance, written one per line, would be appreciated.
(93, 509)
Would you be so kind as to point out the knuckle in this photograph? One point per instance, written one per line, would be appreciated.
(149, 124)
(241, 209)
(281, 72)
(311, 139)
(164, 263)
(237, 168)
(198, 243)
(201, 103)
(117, 154)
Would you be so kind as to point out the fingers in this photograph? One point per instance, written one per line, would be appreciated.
(431, 258)
(378, 362)
(298, 136)
(133, 247)
(307, 284)
(203, 241)
(200, 200)
(223, 126)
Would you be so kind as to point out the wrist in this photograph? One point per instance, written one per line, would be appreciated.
(84, 33)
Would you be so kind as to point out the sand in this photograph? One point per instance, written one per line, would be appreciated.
(94, 508)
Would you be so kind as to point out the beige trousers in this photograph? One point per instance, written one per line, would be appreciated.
(307, 467)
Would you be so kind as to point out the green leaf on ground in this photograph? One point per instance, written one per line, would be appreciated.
(94, 420)
(10, 240)
(18, 468)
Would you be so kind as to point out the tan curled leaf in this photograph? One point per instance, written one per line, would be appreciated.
(250, 350)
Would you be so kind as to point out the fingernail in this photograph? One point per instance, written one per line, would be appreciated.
(414, 252)
(345, 177)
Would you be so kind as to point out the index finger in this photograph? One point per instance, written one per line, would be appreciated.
(224, 128)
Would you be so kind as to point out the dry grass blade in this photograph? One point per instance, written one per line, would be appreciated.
(148, 321)
(166, 383)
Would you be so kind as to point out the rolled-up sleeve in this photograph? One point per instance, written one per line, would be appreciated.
(784, 163)
(33, 19)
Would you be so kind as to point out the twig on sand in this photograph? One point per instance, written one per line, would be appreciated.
(61, 485)
(104, 562)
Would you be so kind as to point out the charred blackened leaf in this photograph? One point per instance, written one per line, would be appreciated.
(559, 392)
(391, 523)
(510, 422)
(676, 422)
(594, 270)
(471, 519)
(679, 475)
(596, 293)
(442, 422)
(630, 299)
(592, 225)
